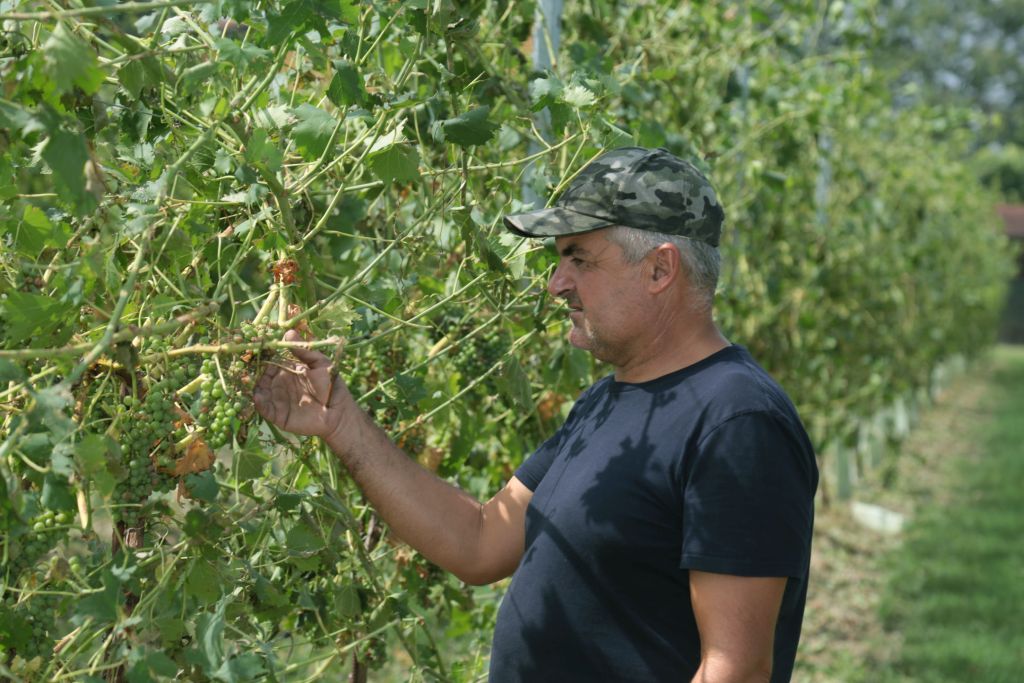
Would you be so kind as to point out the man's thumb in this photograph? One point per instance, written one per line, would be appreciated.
(312, 358)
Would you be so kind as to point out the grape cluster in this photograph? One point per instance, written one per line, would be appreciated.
(150, 420)
(38, 611)
(223, 408)
(479, 354)
(224, 404)
(146, 447)
(29, 278)
(46, 530)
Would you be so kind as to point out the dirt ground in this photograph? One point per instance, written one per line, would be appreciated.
(843, 634)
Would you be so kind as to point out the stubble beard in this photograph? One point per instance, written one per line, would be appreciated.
(583, 336)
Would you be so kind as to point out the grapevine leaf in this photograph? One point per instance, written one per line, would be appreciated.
(36, 446)
(286, 502)
(210, 634)
(544, 92)
(57, 494)
(469, 128)
(8, 186)
(65, 153)
(246, 175)
(247, 666)
(194, 77)
(249, 462)
(139, 673)
(60, 459)
(399, 163)
(388, 140)
(200, 525)
(615, 136)
(36, 232)
(15, 630)
(241, 56)
(301, 540)
(294, 15)
(347, 602)
(203, 583)
(475, 237)
(91, 453)
(338, 317)
(35, 319)
(345, 10)
(102, 605)
(10, 372)
(261, 150)
(515, 384)
(268, 594)
(154, 664)
(71, 62)
(7, 516)
(50, 409)
(275, 116)
(14, 116)
(172, 630)
(161, 664)
(346, 87)
(202, 486)
(132, 77)
(313, 131)
(561, 115)
(411, 389)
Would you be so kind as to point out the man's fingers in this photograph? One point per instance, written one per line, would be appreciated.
(267, 378)
(264, 403)
(314, 359)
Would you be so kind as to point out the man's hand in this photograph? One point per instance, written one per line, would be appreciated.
(303, 397)
(478, 543)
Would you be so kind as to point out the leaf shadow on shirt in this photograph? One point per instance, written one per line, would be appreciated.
(563, 631)
(635, 456)
(603, 505)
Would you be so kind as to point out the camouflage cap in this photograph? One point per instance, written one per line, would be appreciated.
(648, 189)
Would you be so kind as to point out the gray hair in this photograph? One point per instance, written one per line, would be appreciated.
(701, 260)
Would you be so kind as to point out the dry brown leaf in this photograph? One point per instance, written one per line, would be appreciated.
(198, 458)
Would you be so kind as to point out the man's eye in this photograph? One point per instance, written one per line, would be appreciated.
(576, 261)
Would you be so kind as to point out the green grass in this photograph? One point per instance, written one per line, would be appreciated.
(956, 591)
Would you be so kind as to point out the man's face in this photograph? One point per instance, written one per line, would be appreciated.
(603, 292)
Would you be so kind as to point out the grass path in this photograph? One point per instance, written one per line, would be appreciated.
(946, 601)
(956, 593)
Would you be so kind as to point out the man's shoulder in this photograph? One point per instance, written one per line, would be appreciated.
(734, 384)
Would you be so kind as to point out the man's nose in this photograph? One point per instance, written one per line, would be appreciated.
(559, 282)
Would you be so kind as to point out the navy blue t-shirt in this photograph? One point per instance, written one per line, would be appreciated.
(706, 468)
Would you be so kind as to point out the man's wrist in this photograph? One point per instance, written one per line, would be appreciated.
(334, 436)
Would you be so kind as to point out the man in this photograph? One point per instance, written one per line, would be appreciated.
(663, 533)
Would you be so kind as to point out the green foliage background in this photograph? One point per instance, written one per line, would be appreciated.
(159, 162)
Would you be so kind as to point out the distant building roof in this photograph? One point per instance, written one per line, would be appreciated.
(1013, 216)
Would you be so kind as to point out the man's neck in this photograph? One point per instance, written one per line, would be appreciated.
(673, 349)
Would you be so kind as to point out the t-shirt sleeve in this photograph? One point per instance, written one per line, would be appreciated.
(748, 499)
(536, 466)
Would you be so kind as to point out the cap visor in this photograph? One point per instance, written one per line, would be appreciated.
(554, 222)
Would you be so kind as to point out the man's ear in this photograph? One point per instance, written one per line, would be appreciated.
(664, 267)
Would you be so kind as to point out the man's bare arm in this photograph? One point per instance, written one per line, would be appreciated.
(479, 543)
(736, 618)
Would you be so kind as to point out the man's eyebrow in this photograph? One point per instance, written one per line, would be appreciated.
(573, 249)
